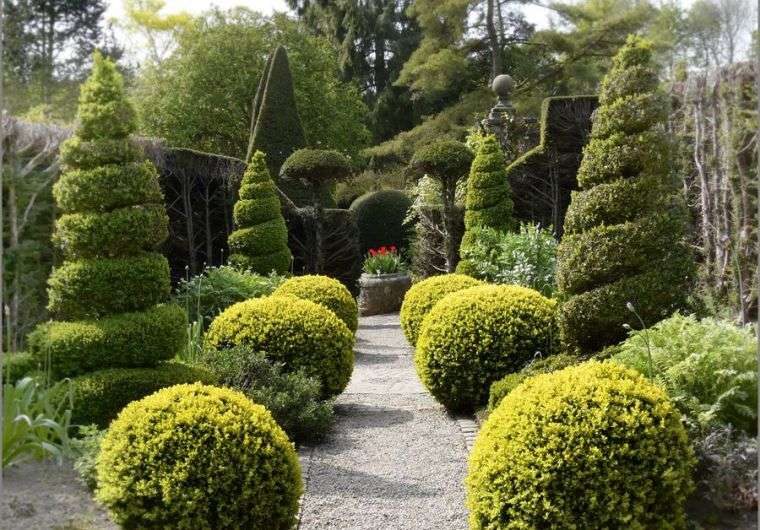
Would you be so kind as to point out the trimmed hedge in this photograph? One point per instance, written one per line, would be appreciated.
(592, 446)
(247, 474)
(315, 167)
(327, 292)
(422, 296)
(100, 396)
(380, 216)
(444, 160)
(296, 332)
(89, 154)
(474, 337)
(123, 340)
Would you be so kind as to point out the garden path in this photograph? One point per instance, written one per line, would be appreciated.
(394, 458)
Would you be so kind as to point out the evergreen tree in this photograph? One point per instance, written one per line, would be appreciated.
(624, 247)
(261, 241)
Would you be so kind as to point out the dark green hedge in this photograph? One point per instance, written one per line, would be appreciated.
(18, 365)
(380, 216)
(315, 166)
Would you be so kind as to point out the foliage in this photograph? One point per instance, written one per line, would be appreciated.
(99, 396)
(422, 296)
(246, 476)
(316, 167)
(293, 398)
(591, 446)
(17, 365)
(383, 260)
(380, 216)
(473, 337)
(36, 422)
(88, 448)
(444, 160)
(708, 367)
(260, 243)
(327, 292)
(527, 258)
(617, 250)
(296, 332)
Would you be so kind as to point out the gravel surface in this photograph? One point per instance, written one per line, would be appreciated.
(394, 459)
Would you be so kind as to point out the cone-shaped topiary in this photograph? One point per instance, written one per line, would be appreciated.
(488, 203)
(106, 295)
(260, 243)
(624, 233)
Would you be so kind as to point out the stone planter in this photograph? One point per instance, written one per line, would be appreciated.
(382, 293)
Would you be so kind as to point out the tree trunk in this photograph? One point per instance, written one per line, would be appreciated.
(493, 39)
(449, 198)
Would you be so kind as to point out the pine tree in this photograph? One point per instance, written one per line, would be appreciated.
(624, 243)
(261, 241)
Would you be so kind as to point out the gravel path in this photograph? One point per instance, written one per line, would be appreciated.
(394, 459)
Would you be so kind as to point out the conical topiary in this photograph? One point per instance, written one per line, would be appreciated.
(488, 203)
(260, 243)
(108, 295)
(624, 233)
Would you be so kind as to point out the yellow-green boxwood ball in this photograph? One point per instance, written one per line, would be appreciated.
(327, 292)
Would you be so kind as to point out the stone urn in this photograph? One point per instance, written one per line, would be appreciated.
(382, 293)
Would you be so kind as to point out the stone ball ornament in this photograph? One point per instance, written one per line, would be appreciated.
(503, 85)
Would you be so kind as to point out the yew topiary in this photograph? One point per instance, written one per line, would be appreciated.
(624, 234)
(380, 216)
(260, 243)
(196, 456)
(327, 292)
(474, 337)
(592, 446)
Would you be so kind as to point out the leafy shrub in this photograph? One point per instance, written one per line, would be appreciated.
(591, 446)
(422, 296)
(383, 260)
(527, 258)
(299, 333)
(99, 396)
(293, 399)
(380, 216)
(501, 388)
(18, 365)
(207, 294)
(247, 474)
(708, 367)
(315, 167)
(88, 448)
(474, 337)
(327, 292)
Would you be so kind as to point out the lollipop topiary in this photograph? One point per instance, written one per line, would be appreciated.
(327, 292)
(592, 446)
(422, 296)
(196, 456)
(298, 333)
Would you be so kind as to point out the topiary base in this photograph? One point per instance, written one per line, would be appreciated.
(381, 294)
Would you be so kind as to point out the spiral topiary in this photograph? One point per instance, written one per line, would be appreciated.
(624, 234)
(380, 216)
(422, 296)
(297, 332)
(592, 446)
(260, 243)
(107, 293)
(474, 337)
(327, 292)
(196, 456)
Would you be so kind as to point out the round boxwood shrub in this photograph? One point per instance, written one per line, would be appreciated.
(296, 332)
(474, 337)
(422, 296)
(327, 292)
(380, 216)
(196, 456)
(592, 446)
(99, 396)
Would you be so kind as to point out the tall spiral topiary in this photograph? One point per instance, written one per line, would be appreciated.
(624, 232)
(260, 242)
(108, 294)
(488, 203)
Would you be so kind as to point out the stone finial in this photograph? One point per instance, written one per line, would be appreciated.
(502, 85)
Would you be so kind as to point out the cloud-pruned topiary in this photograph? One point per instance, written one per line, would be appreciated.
(380, 216)
(151, 472)
(260, 242)
(624, 233)
(592, 446)
(422, 296)
(488, 203)
(299, 333)
(325, 291)
(474, 337)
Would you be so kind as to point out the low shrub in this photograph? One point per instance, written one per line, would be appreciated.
(99, 396)
(474, 337)
(18, 365)
(708, 367)
(293, 399)
(592, 446)
(296, 332)
(380, 216)
(422, 296)
(88, 448)
(246, 476)
(327, 292)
